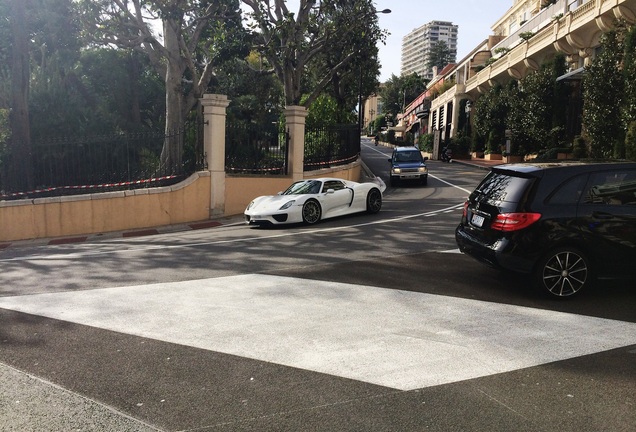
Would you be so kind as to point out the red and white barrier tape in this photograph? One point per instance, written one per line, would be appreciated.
(87, 187)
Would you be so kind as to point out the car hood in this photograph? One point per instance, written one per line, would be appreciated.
(408, 164)
(272, 202)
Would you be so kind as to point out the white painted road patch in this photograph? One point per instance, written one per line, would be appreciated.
(393, 338)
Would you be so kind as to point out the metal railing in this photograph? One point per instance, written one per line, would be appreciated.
(256, 149)
(536, 23)
(79, 165)
(331, 146)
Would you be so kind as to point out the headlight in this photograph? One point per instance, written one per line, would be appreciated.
(423, 169)
(397, 170)
(249, 205)
(287, 205)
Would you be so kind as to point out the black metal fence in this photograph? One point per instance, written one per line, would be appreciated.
(331, 146)
(256, 149)
(107, 163)
(132, 160)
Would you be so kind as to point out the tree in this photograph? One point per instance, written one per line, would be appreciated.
(489, 118)
(629, 103)
(20, 168)
(535, 109)
(256, 97)
(439, 56)
(398, 92)
(293, 42)
(197, 36)
(603, 97)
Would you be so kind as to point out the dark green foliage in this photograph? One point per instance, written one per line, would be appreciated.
(440, 55)
(630, 142)
(425, 142)
(629, 74)
(489, 113)
(603, 98)
(531, 109)
(398, 92)
(256, 97)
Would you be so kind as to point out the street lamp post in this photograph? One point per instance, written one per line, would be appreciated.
(384, 11)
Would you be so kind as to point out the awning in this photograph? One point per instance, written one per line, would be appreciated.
(413, 127)
(398, 128)
(575, 75)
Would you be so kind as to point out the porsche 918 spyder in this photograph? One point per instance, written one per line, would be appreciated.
(309, 201)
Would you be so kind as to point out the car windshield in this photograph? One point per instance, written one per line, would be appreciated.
(411, 156)
(304, 187)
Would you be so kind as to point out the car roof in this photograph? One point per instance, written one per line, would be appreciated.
(406, 148)
(571, 166)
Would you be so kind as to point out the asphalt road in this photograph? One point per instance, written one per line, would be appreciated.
(362, 323)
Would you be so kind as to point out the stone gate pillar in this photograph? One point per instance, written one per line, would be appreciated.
(295, 119)
(214, 114)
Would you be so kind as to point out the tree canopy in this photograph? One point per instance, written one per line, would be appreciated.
(197, 35)
(439, 56)
(398, 92)
(322, 36)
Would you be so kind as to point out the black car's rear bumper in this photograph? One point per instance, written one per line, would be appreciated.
(501, 254)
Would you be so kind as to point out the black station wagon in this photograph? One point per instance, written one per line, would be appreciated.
(565, 223)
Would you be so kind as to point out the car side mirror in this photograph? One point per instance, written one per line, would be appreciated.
(330, 191)
(389, 159)
(425, 158)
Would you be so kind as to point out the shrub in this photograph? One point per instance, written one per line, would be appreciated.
(425, 142)
(630, 142)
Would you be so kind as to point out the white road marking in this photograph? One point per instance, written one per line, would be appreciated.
(393, 338)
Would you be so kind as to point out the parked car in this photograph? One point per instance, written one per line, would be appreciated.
(407, 163)
(309, 201)
(567, 224)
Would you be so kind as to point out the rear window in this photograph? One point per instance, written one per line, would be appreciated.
(498, 187)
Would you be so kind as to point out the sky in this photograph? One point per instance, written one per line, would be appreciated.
(474, 18)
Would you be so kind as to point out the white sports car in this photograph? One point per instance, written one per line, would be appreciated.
(309, 201)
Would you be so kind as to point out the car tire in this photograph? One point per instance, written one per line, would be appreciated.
(563, 272)
(374, 201)
(424, 181)
(393, 181)
(311, 212)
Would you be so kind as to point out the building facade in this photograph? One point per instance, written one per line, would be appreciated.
(417, 45)
(570, 27)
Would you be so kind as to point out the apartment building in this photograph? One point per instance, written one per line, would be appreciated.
(417, 45)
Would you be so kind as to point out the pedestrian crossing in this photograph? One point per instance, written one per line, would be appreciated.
(398, 339)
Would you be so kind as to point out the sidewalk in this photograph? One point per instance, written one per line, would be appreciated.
(237, 219)
(479, 163)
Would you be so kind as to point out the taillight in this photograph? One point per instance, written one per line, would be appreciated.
(465, 213)
(514, 221)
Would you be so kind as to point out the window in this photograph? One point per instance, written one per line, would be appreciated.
(332, 184)
(612, 187)
(569, 192)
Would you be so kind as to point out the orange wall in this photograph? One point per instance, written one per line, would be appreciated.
(187, 201)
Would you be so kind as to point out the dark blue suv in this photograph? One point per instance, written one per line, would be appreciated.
(407, 163)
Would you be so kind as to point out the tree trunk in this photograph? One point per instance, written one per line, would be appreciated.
(20, 169)
(172, 152)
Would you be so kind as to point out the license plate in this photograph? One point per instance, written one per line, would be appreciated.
(477, 220)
